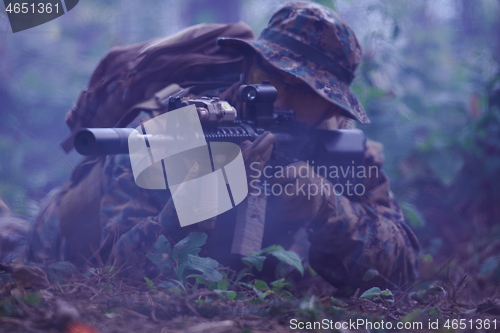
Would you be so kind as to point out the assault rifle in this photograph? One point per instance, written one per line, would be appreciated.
(294, 141)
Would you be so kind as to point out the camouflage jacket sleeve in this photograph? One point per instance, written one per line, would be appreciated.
(366, 242)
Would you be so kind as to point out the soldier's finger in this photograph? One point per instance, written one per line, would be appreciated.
(262, 142)
(245, 145)
(267, 154)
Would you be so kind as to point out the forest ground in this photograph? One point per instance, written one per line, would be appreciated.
(34, 301)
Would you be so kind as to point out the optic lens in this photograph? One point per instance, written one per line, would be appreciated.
(251, 94)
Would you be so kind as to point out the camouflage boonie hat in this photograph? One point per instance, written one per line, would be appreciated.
(314, 44)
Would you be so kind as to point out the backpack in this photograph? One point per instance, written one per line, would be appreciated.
(128, 75)
(127, 80)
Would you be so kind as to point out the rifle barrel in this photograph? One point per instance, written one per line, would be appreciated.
(102, 141)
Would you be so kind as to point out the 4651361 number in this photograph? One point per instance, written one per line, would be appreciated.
(473, 324)
(32, 8)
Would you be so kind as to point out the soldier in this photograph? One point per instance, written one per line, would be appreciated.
(310, 55)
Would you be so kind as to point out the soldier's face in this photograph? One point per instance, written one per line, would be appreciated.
(293, 94)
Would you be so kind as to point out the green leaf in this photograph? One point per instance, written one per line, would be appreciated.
(272, 248)
(260, 285)
(206, 266)
(191, 245)
(223, 284)
(162, 245)
(413, 216)
(256, 261)
(427, 258)
(244, 272)
(162, 256)
(412, 316)
(290, 258)
(435, 290)
(266, 250)
(249, 286)
(285, 293)
(229, 294)
(386, 293)
(279, 284)
(370, 274)
(256, 291)
(174, 285)
(149, 282)
(371, 293)
(162, 260)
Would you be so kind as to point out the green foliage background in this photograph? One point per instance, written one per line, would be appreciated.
(429, 81)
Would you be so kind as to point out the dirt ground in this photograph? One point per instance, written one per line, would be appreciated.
(33, 301)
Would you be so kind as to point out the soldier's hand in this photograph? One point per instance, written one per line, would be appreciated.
(305, 196)
(257, 153)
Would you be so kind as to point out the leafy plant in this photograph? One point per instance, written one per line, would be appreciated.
(426, 296)
(278, 287)
(228, 294)
(151, 285)
(173, 261)
(260, 288)
(184, 255)
(256, 259)
(376, 295)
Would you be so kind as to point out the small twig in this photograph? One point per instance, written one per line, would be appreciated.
(118, 270)
(86, 286)
(60, 287)
(404, 293)
(424, 280)
(446, 265)
(94, 296)
(457, 291)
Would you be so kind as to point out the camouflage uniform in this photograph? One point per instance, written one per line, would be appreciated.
(314, 44)
(368, 233)
(12, 235)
